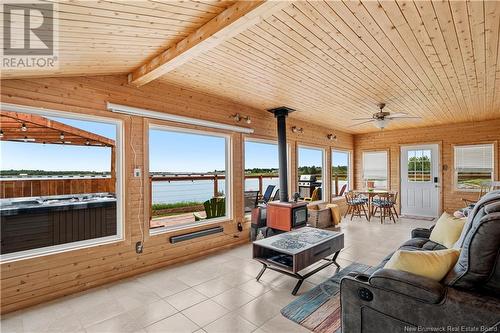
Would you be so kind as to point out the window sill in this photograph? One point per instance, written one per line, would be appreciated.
(57, 249)
(167, 230)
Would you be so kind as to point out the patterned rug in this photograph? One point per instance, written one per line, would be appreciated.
(414, 217)
(319, 309)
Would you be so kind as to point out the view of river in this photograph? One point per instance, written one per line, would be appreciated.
(200, 190)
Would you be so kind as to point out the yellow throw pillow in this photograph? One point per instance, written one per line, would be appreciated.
(432, 264)
(336, 218)
(447, 230)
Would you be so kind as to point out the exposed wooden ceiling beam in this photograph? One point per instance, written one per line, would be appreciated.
(227, 24)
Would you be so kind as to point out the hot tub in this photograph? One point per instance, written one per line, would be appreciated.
(35, 222)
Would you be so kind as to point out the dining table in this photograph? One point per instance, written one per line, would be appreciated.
(370, 194)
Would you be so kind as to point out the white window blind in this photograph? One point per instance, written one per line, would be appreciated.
(474, 158)
(375, 165)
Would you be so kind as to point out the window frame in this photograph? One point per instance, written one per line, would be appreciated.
(325, 186)
(228, 180)
(455, 172)
(388, 165)
(349, 169)
(119, 193)
(271, 142)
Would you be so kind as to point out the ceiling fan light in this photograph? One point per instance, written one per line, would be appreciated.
(381, 123)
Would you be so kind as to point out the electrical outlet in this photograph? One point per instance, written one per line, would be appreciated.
(139, 247)
(137, 172)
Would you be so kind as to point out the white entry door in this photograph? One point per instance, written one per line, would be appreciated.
(420, 180)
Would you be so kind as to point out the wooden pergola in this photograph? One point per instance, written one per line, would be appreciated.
(29, 128)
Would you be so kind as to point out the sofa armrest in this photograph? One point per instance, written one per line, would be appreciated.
(421, 232)
(408, 284)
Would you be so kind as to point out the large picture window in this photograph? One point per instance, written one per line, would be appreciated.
(60, 182)
(188, 177)
(340, 172)
(473, 166)
(311, 173)
(375, 169)
(261, 173)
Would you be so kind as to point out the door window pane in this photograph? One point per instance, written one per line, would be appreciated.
(419, 165)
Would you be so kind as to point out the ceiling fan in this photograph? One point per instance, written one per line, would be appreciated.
(382, 118)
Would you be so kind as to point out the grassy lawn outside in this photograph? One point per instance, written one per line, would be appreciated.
(171, 209)
(474, 183)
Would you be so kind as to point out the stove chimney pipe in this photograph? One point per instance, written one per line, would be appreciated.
(280, 114)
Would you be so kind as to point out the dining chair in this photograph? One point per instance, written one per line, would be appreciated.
(354, 205)
(385, 204)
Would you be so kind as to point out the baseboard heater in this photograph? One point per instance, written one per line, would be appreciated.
(196, 234)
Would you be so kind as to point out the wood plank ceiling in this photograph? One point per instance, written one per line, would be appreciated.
(330, 60)
(334, 61)
(116, 36)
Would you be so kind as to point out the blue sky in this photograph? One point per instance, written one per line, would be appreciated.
(185, 152)
(169, 151)
(260, 155)
(340, 158)
(36, 156)
(310, 157)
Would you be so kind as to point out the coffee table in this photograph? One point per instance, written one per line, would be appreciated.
(290, 252)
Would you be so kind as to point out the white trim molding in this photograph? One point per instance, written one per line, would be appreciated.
(133, 111)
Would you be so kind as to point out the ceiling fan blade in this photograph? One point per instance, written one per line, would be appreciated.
(364, 122)
(398, 114)
(405, 117)
(366, 118)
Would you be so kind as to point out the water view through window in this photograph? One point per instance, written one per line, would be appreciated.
(261, 173)
(188, 173)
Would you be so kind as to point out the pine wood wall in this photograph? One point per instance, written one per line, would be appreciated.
(446, 136)
(31, 281)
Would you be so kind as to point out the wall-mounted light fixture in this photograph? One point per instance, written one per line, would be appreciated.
(296, 129)
(238, 117)
(23, 127)
(61, 136)
(1, 133)
(331, 137)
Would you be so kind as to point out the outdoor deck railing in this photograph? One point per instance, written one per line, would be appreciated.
(22, 187)
(213, 178)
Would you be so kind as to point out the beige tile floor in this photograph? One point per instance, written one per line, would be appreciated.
(217, 293)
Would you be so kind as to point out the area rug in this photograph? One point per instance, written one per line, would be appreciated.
(319, 309)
